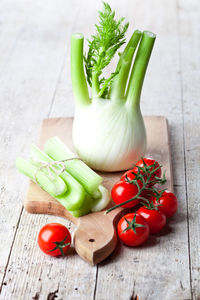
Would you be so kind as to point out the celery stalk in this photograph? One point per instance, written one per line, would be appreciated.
(75, 196)
(90, 180)
(55, 186)
(103, 201)
(85, 209)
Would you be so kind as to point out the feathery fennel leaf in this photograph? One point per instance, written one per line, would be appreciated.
(109, 37)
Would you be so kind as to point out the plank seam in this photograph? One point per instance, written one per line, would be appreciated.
(184, 152)
(20, 215)
(8, 260)
(96, 279)
(11, 51)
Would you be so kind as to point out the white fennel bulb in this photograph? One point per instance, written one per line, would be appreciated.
(108, 135)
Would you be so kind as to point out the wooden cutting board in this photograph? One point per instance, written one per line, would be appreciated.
(95, 237)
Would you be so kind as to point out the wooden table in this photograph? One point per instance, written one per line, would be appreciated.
(35, 84)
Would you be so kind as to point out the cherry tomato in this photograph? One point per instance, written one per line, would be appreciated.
(129, 174)
(149, 162)
(133, 230)
(54, 239)
(155, 218)
(169, 203)
(123, 191)
(147, 194)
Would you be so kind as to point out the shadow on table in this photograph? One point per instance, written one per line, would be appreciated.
(152, 241)
(115, 255)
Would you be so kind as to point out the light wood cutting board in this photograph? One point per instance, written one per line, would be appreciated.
(95, 237)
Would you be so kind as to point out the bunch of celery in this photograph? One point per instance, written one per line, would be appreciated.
(108, 130)
(77, 188)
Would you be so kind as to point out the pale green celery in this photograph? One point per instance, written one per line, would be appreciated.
(90, 180)
(119, 84)
(103, 201)
(85, 209)
(75, 196)
(139, 69)
(79, 84)
(54, 186)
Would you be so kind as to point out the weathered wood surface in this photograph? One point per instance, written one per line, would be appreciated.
(190, 79)
(35, 84)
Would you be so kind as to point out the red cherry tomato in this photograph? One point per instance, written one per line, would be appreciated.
(129, 174)
(54, 239)
(155, 218)
(169, 203)
(149, 162)
(123, 191)
(147, 194)
(133, 230)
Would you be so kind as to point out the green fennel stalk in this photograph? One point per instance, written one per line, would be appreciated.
(109, 37)
(139, 68)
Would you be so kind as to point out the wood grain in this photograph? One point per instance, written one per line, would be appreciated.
(35, 84)
(190, 76)
(95, 237)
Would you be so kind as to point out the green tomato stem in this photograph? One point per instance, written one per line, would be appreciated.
(148, 174)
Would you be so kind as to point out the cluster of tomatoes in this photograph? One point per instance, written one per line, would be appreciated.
(137, 187)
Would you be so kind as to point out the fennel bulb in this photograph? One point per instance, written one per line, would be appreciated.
(108, 129)
(108, 135)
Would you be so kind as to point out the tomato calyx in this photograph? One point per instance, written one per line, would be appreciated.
(154, 205)
(151, 206)
(146, 176)
(132, 225)
(158, 194)
(60, 245)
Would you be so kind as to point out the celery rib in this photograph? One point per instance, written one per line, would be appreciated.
(55, 186)
(75, 195)
(57, 150)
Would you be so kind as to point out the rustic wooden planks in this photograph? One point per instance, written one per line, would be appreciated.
(190, 76)
(30, 91)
